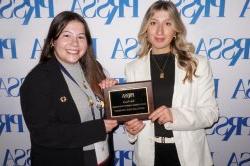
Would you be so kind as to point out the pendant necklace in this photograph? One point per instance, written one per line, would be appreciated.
(162, 74)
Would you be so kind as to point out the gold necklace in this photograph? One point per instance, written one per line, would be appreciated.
(162, 74)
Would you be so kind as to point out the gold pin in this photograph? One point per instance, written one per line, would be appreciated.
(162, 75)
(63, 99)
(102, 104)
(91, 103)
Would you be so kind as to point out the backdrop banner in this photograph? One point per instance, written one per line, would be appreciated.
(219, 30)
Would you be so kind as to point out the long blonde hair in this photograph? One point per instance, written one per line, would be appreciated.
(179, 46)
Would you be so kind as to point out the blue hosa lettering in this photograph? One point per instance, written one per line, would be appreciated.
(26, 9)
(9, 87)
(126, 49)
(227, 127)
(108, 9)
(121, 157)
(240, 159)
(229, 49)
(246, 6)
(216, 87)
(37, 47)
(8, 45)
(244, 87)
(17, 157)
(11, 123)
(198, 8)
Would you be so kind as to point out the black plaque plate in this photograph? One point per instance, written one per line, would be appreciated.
(130, 100)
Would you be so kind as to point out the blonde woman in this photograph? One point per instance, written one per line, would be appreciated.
(183, 94)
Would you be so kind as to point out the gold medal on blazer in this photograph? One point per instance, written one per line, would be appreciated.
(63, 99)
(102, 104)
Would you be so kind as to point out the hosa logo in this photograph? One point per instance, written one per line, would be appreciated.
(196, 9)
(8, 47)
(106, 9)
(229, 49)
(9, 87)
(233, 158)
(241, 89)
(125, 48)
(239, 159)
(25, 10)
(17, 157)
(231, 126)
(123, 158)
(11, 123)
(122, 48)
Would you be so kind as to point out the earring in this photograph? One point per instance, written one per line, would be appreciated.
(51, 46)
(174, 37)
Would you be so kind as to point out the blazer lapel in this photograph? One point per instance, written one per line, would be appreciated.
(65, 102)
(143, 68)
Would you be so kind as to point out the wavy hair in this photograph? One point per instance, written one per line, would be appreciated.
(92, 68)
(179, 46)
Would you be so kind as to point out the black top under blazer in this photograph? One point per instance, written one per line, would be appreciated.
(56, 132)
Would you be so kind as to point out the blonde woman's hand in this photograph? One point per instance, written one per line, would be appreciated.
(162, 115)
(110, 125)
(134, 126)
(108, 82)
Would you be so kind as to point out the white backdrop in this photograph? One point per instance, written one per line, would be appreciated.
(218, 28)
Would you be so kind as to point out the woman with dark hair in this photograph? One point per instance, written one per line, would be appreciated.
(61, 99)
(183, 91)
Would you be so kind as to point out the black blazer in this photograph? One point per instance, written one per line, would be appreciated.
(56, 132)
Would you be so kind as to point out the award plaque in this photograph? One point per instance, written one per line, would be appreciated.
(124, 102)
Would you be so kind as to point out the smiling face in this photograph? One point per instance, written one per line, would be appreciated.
(71, 44)
(160, 32)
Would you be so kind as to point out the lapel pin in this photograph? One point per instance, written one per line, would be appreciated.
(102, 104)
(63, 99)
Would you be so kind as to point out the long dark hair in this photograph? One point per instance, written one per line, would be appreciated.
(92, 68)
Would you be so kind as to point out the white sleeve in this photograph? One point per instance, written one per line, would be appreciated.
(129, 78)
(205, 112)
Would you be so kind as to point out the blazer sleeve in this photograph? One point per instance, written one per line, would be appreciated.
(129, 75)
(44, 126)
(205, 112)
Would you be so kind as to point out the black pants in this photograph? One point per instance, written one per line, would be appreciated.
(166, 155)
